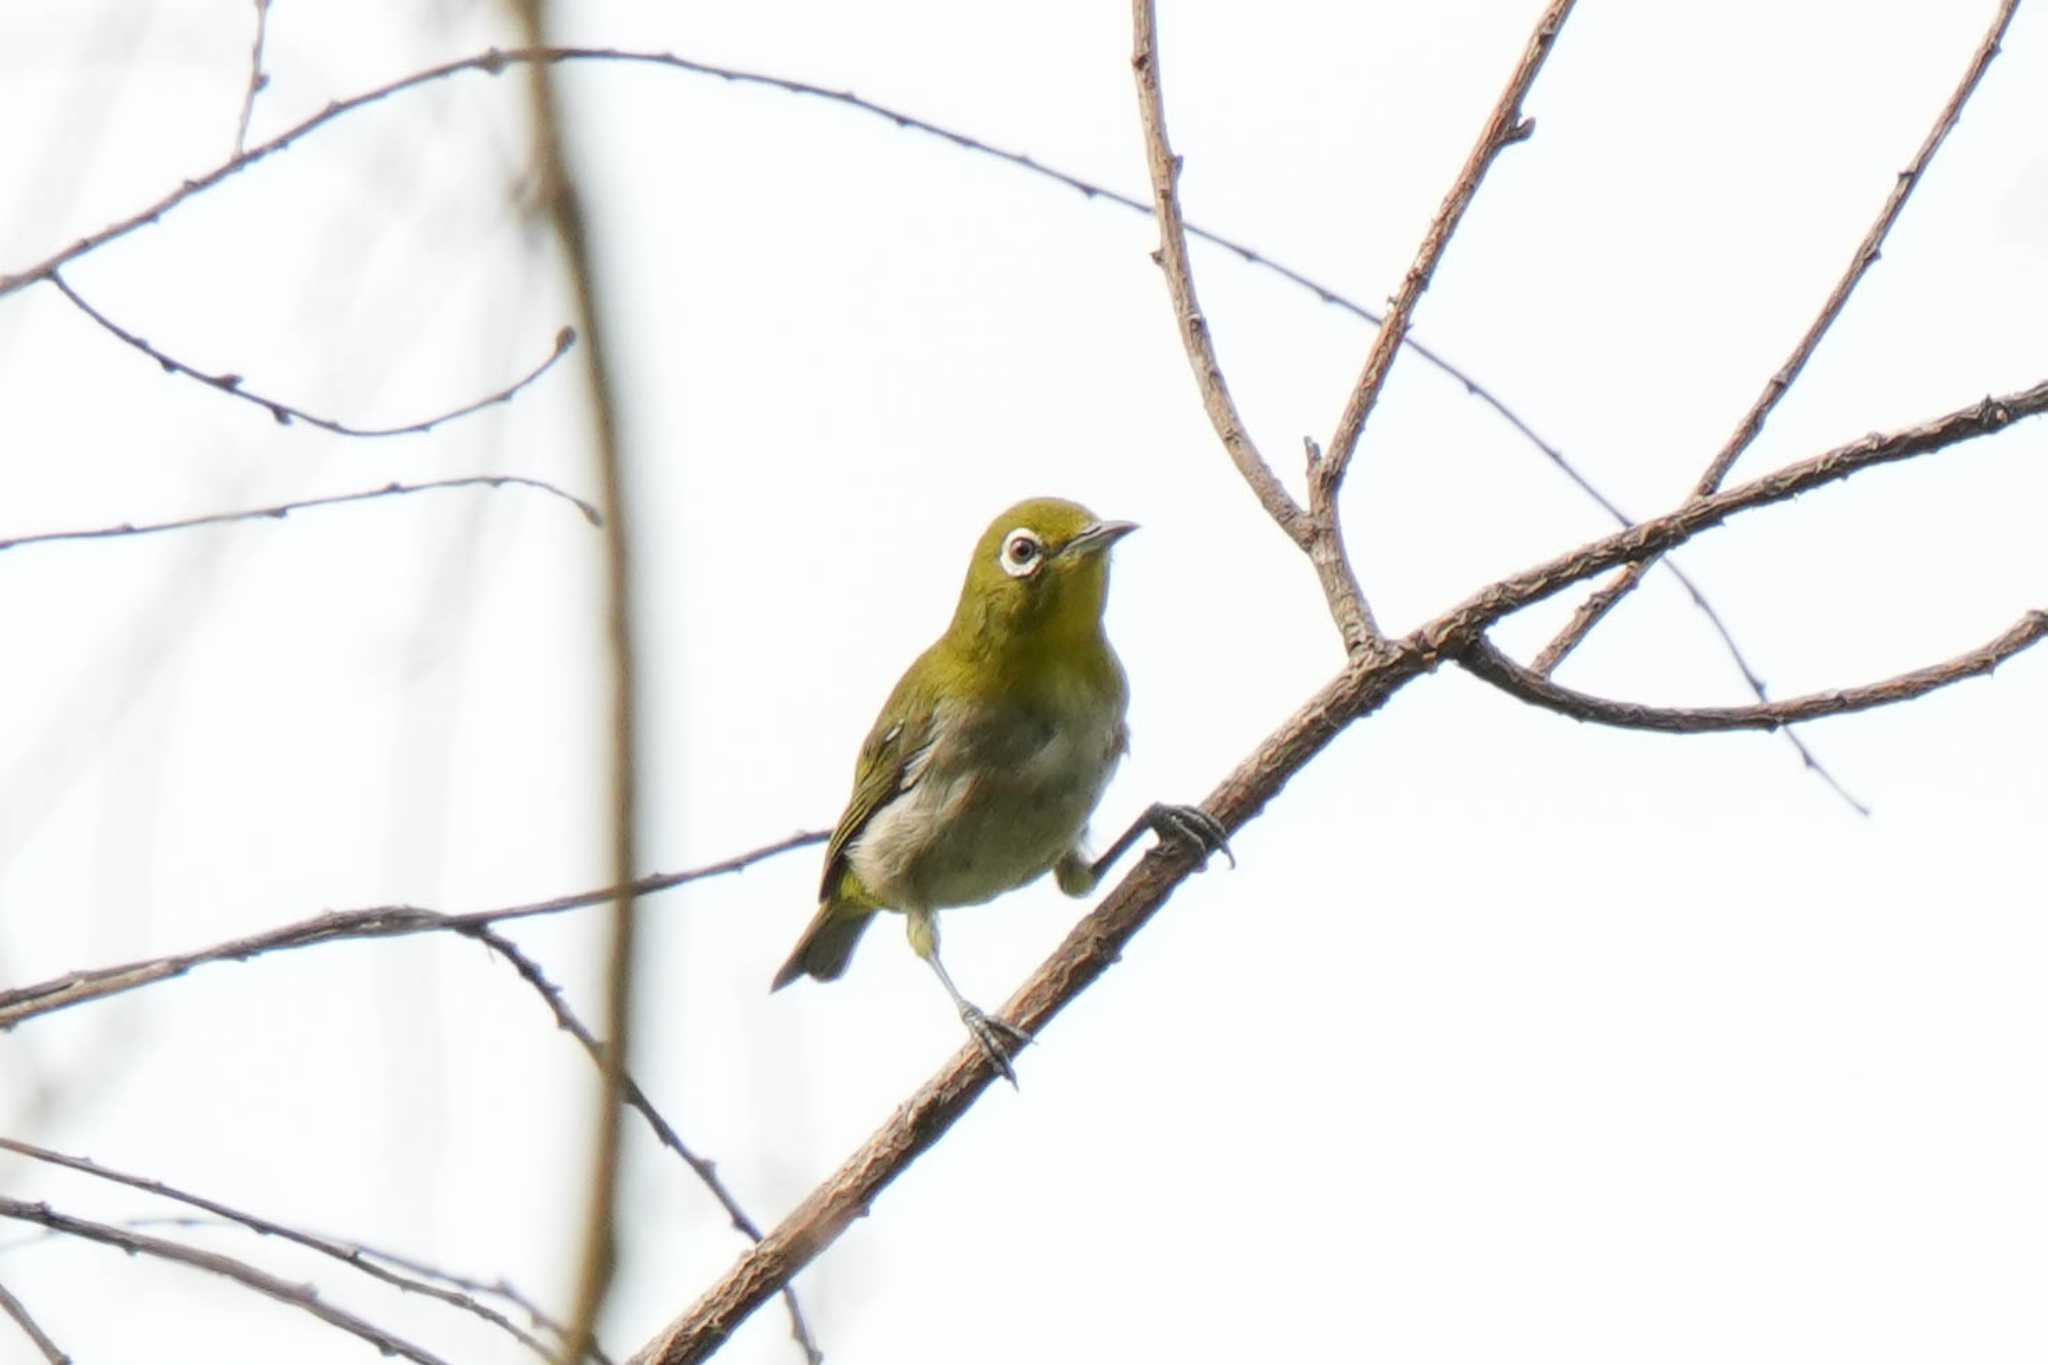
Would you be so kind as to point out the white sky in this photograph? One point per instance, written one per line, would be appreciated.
(1507, 1039)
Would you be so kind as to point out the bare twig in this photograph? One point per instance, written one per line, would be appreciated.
(1488, 662)
(14, 1308)
(1366, 682)
(257, 78)
(1504, 127)
(385, 921)
(302, 1297)
(337, 1250)
(705, 1169)
(499, 1288)
(1172, 258)
(562, 201)
(1780, 383)
(285, 413)
(278, 511)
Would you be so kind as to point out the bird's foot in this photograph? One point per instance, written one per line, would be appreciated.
(1191, 825)
(997, 1037)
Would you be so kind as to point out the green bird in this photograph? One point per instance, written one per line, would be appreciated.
(981, 772)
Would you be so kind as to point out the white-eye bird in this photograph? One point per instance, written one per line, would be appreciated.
(981, 771)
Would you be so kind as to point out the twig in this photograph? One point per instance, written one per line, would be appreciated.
(499, 1288)
(1172, 259)
(705, 1169)
(257, 78)
(1484, 660)
(329, 1247)
(1504, 127)
(14, 1308)
(563, 203)
(278, 511)
(1365, 684)
(285, 413)
(1780, 383)
(1321, 539)
(384, 921)
(302, 1297)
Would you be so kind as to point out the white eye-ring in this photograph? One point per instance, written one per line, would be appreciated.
(1022, 553)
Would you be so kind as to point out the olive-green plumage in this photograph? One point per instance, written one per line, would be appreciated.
(988, 758)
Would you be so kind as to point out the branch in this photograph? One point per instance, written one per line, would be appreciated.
(336, 926)
(563, 202)
(279, 511)
(14, 1308)
(1594, 608)
(1485, 661)
(1095, 943)
(302, 1297)
(705, 1169)
(348, 1255)
(284, 413)
(1504, 127)
(1172, 259)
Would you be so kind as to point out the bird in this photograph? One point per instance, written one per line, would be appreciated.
(982, 770)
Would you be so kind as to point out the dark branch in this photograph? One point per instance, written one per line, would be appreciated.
(285, 413)
(1485, 661)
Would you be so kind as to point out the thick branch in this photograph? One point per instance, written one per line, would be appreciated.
(301, 1297)
(1504, 127)
(1596, 607)
(1172, 258)
(1485, 661)
(1095, 943)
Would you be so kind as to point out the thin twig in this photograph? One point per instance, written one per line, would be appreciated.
(278, 511)
(498, 1288)
(302, 1297)
(1504, 127)
(1595, 607)
(329, 1247)
(1172, 259)
(562, 201)
(285, 413)
(15, 1309)
(385, 921)
(1484, 660)
(1097, 942)
(257, 78)
(705, 1169)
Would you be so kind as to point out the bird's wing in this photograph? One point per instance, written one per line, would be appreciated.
(890, 761)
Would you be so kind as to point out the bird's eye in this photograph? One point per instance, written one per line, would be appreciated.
(1022, 551)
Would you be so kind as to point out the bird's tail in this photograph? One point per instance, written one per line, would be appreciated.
(828, 944)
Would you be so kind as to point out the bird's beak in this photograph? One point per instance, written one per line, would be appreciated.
(1099, 536)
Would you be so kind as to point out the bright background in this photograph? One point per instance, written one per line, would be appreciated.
(1508, 1038)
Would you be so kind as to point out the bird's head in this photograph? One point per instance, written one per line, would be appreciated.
(1040, 574)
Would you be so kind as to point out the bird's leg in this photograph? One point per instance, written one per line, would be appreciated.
(1189, 824)
(997, 1037)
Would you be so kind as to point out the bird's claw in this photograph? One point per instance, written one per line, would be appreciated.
(1193, 825)
(997, 1037)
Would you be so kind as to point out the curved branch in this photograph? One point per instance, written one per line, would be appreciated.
(1483, 660)
(384, 921)
(284, 413)
(1594, 608)
(335, 1250)
(301, 1297)
(278, 511)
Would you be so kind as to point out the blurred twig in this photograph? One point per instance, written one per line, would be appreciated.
(285, 413)
(303, 1297)
(257, 78)
(278, 511)
(385, 921)
(14, 1308)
